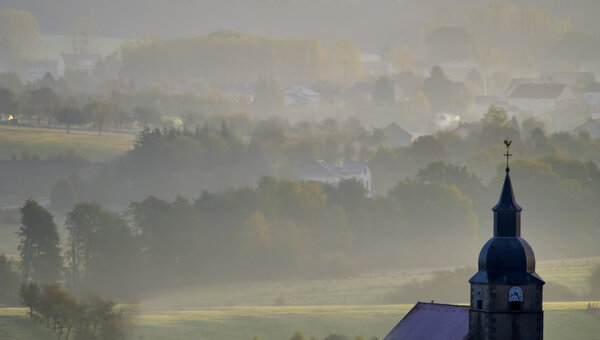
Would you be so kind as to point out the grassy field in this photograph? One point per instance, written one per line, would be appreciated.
(349, 306)
(365, 289)
(47, 142)
(563, 320)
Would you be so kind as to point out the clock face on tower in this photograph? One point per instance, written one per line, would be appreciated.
(515, 294)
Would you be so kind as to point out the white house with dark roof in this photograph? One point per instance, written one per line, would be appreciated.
(325, 172)
(591, 96)
(541, 98)
(81, 61)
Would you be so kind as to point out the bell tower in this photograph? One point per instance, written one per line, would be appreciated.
(506, 292)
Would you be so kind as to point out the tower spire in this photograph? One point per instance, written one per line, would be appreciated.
(507, 213)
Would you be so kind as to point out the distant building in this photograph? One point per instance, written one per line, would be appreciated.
(301, 96)
(396, 136)
(82, 61)
(39, 69)
(591, 96)
(592, 127)
(518, 81)
(373, 65)
(458, 70)
(433, 321)
(541, 98)
(331, 97)
(571, 78)
(324, 172)
(465, 128)
(360, 91)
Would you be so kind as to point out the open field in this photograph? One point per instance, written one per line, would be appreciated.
(349, 306)
(47, 142)
(563, 320)
(365, 289)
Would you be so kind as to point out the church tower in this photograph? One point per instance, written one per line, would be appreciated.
(506, 293)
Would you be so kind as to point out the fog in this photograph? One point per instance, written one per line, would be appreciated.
(163, 150)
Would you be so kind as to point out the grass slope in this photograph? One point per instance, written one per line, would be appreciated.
(47, 142)
(563, 320)
(14, 325)
(365, 289)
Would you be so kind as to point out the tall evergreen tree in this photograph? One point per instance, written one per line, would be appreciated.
(39, 248)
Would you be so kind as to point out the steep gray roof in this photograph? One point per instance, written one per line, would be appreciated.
(539, 91)
(319, 170)
(433, 321)
(353, 167)
(393, 129)
(74, 59)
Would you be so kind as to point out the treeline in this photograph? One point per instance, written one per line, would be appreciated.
(230, 57)
(552, 170)
(97, 318)
(279, 230)
(51, 102)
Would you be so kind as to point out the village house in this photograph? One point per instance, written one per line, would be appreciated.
(396, 136)
(458, 70)
(325, 172)
(465, 128)
(518, 81)
(538, 99)
(591, 127)
(82, 61)
(571, 78)
(39, 69)
(373, 65)
(591, 96)
(301, 97)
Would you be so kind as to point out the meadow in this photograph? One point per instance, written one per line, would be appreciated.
(352, 306)
(46, 142)
(563, 320)
(365, 289)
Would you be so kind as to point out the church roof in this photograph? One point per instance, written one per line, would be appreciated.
(433, 321)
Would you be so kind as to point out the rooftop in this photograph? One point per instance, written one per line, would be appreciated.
(538, 91)
(433, 321)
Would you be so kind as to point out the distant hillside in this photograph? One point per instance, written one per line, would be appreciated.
(53, 44)
(370, 23)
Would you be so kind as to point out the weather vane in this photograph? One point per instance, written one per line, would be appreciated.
(507, 142)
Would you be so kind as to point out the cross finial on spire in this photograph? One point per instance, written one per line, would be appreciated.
(507, 142)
